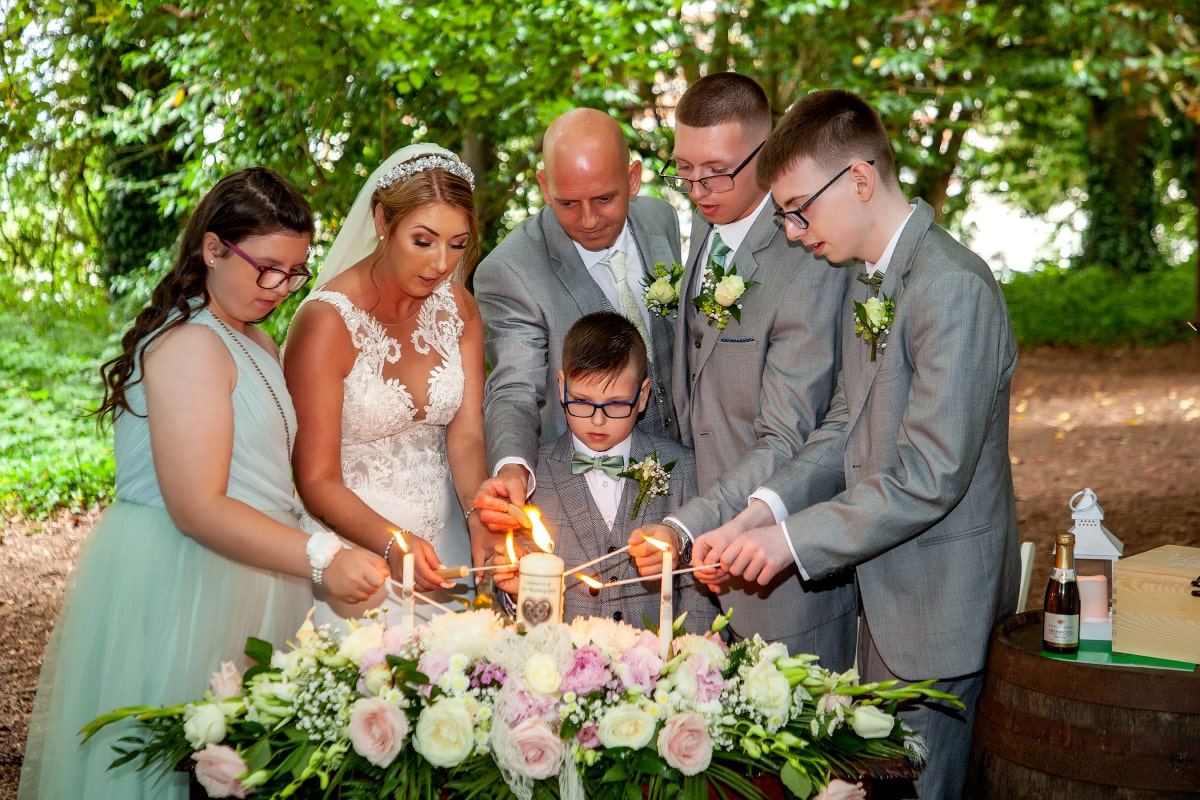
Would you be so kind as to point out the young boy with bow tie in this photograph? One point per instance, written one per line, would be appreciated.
(587, 506)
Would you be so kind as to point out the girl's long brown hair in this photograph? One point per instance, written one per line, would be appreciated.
(252, 202)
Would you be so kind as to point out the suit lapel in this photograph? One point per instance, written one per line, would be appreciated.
(894, 280)
(568, 266)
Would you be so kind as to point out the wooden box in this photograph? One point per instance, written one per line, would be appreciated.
(1155, 612)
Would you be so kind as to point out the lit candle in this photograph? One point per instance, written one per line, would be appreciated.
(666, 597)
(540, 579)
(406, 588)
(1093, 598)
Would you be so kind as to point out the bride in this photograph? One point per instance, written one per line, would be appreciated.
(384, 361)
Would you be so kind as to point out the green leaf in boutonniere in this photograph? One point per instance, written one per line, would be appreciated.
(662, 295)
(874, 320)
(719, 295)
(653, 479)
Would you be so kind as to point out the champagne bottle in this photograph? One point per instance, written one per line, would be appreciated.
(1060, 630)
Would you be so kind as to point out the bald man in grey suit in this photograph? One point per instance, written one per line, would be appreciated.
(748, 394)
(907, 483)
(549, 272)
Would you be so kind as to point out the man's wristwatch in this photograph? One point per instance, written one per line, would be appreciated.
(685, 542)
(321, 549)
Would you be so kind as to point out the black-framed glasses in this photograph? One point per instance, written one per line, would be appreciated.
(615, 409)
(714, 183)
(269, 277)
(797, 217)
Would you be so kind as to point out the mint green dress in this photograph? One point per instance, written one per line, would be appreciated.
(149, 613)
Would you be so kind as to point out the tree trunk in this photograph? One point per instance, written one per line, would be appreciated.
(1121, 195)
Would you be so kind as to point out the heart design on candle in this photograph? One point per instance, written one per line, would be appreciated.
(536, 611)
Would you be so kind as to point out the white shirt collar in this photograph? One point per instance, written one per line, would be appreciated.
(593, 257)
(734, 233)
(886, 259)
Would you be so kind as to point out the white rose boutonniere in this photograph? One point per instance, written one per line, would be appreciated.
(662, 294)
(653, 477)
(874, 320)
(719, 295)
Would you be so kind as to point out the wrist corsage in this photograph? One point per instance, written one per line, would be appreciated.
(874, 320)
(653, 478)
(719, 295)
(321, 549)
(662, 295)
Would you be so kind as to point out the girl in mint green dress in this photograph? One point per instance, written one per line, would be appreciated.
(200, 548)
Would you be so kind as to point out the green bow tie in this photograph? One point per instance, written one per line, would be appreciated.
(613, 466)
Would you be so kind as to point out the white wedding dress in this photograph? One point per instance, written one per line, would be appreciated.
(394, 432)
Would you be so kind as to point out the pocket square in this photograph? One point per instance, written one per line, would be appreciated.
(731, 340)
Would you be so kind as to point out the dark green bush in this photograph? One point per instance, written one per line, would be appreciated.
(1091, 306)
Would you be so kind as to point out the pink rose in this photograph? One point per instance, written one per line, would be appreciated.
(538, 751)
(588, 736)
(840, 790)
(217, 769)
(226, 682)
(684, 744)
(639, 666)
(588, 673)
(434, 663)
(709, 681)
(377, 730)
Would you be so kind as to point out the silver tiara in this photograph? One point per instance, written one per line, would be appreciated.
(406, 169)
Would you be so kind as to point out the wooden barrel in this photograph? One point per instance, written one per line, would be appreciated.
(1051, 729)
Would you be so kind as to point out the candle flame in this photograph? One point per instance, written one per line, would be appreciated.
(541, 536)
(590, 581)
(659, 543)
(400, 540)
(508, 543)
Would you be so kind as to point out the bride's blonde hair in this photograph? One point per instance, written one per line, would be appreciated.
(425, 188)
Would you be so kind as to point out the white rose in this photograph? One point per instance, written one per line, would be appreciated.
(661, 291)
(468, 633)
(683, 680)
(626, 726)
(767, 689)
(871, 723)
(729, 290)
(378, 678)
(874, 308)
(445, 735)
(203, 725)
(541, 674)
(701, 645)
(773, 651)
(366, 637)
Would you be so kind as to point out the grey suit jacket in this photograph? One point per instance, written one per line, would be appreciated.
(579, 532)
(530, 290)
(747, 397)
(916, 449)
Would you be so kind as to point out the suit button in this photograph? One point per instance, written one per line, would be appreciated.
(697, 345)
(618, 616)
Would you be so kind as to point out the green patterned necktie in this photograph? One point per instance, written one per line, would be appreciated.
(615, 261)
(718, 252)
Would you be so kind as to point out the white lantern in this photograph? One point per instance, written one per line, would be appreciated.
(1096, 549)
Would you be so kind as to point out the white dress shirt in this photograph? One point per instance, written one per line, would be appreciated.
(606, 491)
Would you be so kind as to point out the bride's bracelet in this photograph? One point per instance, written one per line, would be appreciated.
(470, 511)
(387, 548)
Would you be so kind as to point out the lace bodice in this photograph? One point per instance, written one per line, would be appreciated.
(394, 447)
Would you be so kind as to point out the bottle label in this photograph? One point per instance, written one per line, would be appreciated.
(1062, 575)
(1061, 629)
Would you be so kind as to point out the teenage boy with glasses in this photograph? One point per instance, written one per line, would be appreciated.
(747, 395)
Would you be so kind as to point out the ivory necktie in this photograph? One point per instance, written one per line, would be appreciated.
(629, 304)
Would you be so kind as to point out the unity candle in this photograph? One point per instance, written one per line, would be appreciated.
(406, 587)
(540, 579)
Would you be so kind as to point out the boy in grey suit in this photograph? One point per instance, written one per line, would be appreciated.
(749, 391)
(907, 481)
(557, 266)
(586, 507)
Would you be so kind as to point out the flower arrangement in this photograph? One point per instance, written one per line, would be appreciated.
(653, 479)
(470, 707)
(874, 320)
(662, 295)
(719, 295)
